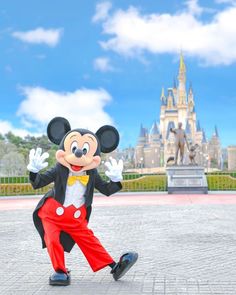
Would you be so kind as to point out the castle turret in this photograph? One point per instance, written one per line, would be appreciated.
(204, 140)
(163, 107)
(163, 98)
(191, 103)
(170, 99)
(154, 133)
(175, 91)
(198, 126)
(142, 135)
(139, 151)
(216, 131)
(215, 149)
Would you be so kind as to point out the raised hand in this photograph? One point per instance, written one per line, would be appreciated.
(115, 169)
(36, 160)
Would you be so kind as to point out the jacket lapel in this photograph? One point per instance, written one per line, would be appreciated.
(89, 185)
(63, 175)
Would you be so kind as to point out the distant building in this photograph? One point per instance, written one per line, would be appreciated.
(232, 157)
(156, 145)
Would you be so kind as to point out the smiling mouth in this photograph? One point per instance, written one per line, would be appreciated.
(76, 168)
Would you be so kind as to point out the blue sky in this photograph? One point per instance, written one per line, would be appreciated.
(106, 62)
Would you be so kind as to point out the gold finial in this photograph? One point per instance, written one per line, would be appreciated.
(162, 92)
(182, 67)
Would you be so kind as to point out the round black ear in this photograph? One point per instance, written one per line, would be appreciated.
(57, 129)
(108, 137)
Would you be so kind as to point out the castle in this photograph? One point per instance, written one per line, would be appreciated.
(155, 146)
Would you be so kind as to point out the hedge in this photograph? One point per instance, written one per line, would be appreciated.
(13, 189)
(143, 183)
(221, 182)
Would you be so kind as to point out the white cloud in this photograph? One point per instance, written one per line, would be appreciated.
(102, 10)
(50, 37)
(83, 108)
(193, 7)
(225, 1)
(212, 41)
(103, 64)
(6, 126)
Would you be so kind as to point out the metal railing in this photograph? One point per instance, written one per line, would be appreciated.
(133, 182)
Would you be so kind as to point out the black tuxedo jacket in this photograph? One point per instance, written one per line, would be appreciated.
(59, 175)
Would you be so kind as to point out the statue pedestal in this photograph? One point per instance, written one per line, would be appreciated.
(186, 179)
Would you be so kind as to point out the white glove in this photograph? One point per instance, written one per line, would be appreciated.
(36, 160)
(115, 169)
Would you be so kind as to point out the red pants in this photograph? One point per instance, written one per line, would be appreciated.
(56, 218)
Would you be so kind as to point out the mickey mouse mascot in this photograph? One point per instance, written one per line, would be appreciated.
(61, 217)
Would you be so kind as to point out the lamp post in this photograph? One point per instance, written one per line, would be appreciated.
(141, 163)
(208, 161)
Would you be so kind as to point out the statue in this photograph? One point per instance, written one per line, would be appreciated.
(192, 153)
(180, 140)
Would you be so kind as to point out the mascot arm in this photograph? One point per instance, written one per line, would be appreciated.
(106, 188)
(39, 180)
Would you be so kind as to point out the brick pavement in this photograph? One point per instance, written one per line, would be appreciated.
(187, 248)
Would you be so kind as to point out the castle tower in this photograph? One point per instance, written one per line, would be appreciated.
(182, 97)
(163, 107)
(155, 147)
(215, 149)
(175, 91)
(153, 155)
(139, 151)
(191, 103)
(182, 82)
(191, 111)
(170, 99)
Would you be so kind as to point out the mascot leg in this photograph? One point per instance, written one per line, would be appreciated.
(91, 247)
(56, 253)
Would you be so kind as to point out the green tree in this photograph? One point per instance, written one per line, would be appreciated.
(13, 164)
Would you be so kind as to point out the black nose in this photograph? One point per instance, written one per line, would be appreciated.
(78, 153)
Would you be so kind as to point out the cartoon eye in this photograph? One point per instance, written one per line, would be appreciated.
(85, 148)
(74, 146)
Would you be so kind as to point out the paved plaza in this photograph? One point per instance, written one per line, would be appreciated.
(186, 245)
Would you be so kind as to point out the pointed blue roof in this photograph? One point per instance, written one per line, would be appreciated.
(204, 137)
(145, 131)
(154, 129)
(216, 131)
(163, 98)
(142, 132)
(171, 94)
(163, 101)
(198, 126)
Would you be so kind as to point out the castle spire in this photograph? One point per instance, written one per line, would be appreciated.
(204, 140)
(182, 67)
(162, 92)
(142, 131)
(154, 130)
(198, 126)
(191, 103)
(170, 99)
(216, 131)
(163, 98)
(182, 81)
